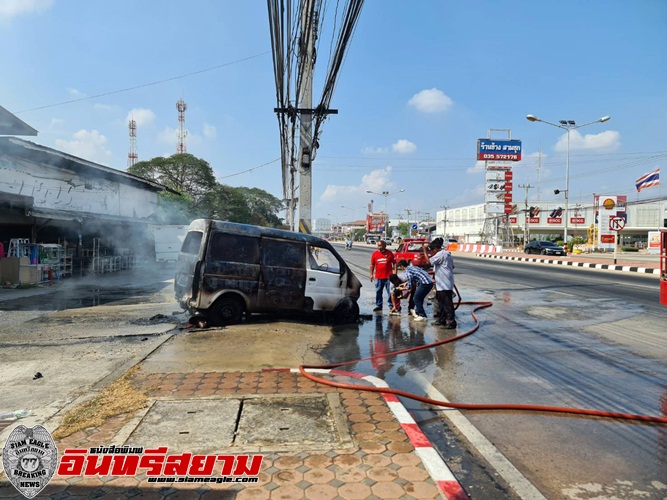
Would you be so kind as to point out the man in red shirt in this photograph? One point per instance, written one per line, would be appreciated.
(382, 266)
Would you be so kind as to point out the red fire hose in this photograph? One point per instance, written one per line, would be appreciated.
(465, 406)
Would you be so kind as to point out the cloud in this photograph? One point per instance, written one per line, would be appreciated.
(403, 146)
(210, 132)
(76, 93)
(377, 180)
(142, 116)
(169, 136)
(477, 168)
(370, 150)
(13, 8)
(56, 122)
(609, 140)
(89, 145)
(431, 101)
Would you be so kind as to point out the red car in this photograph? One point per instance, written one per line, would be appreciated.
(411, 250)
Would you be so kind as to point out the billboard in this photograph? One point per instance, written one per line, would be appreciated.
(498, 189)
(375, 222)
(491, 149)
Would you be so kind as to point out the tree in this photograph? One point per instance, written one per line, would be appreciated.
(181, 172)
(245, 205)
(202, 197)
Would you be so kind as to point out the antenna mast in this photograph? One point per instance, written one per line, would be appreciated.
(181, 106)
(132, 153)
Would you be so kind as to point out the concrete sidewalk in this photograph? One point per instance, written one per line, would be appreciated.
(376, 451)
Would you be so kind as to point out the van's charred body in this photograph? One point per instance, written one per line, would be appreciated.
(227, 269)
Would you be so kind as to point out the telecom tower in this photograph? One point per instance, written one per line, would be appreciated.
(132, 153)
(181, 106)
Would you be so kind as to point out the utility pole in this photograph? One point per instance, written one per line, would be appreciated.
(444, 231)
(526, 230)
(305, 157)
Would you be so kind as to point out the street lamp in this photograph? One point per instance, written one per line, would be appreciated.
(567, 125)
(352, 210)
(386, 194)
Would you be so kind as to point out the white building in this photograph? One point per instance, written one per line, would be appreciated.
(467, 223)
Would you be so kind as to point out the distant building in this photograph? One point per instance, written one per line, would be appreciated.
(467, 223)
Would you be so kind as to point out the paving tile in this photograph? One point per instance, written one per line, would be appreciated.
(353, 491)
(387, 490)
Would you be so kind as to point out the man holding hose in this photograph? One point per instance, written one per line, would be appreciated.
(443, 265)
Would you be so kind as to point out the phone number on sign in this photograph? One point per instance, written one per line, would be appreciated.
(495, 156)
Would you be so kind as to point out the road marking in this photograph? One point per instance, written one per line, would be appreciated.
(517, 481)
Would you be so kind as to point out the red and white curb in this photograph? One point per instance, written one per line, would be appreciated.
(433, 462)
(589, 265)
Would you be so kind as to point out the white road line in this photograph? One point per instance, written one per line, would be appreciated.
(496, 459)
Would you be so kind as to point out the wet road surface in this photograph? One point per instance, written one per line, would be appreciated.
(560, 337)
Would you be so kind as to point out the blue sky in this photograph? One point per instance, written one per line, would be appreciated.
(422, 81)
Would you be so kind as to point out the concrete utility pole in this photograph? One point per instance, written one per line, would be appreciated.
(526, 230)
(444, 231)
(305, 157)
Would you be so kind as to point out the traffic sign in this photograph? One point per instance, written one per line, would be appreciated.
(415, 227)
(616, 223)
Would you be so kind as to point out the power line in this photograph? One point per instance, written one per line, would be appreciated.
(143, 85)
(250, 169)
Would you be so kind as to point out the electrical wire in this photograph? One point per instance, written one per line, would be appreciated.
(128, 89)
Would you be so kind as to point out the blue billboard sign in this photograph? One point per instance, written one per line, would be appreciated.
(490, 149)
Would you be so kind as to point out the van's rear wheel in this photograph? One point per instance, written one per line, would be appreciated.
(346, 312)
(226, 311)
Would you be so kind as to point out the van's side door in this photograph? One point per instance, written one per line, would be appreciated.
(233, 263)
(283, 274)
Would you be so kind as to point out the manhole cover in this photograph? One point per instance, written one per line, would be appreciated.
(267, 423)
(279, 422)
(196, 426)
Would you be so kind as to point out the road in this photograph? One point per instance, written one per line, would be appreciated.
(555, 336)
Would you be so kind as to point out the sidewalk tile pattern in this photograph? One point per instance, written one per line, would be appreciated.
(383, 463)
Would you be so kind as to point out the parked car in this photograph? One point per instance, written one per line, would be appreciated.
(388, 241)
(411, 250)
(543, 248)
(226, 270)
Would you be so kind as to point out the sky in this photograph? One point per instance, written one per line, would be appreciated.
(421, 83)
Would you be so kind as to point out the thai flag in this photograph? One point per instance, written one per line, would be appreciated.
(648, 180)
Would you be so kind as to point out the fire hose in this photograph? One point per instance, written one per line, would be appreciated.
(465, 406)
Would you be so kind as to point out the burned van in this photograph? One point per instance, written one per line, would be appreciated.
(226, 270)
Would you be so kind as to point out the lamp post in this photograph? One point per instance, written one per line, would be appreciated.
(386, 214)
(567, 125)
(352, 210)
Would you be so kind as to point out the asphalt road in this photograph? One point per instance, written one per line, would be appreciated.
(555, 336)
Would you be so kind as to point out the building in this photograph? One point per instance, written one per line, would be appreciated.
(547, 222)
(89, 210)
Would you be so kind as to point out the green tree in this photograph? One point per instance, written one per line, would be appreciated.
(192, 177)
(246, 205)
(202, 197)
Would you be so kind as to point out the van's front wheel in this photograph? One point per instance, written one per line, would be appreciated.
(346, 312)
(226, 311)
